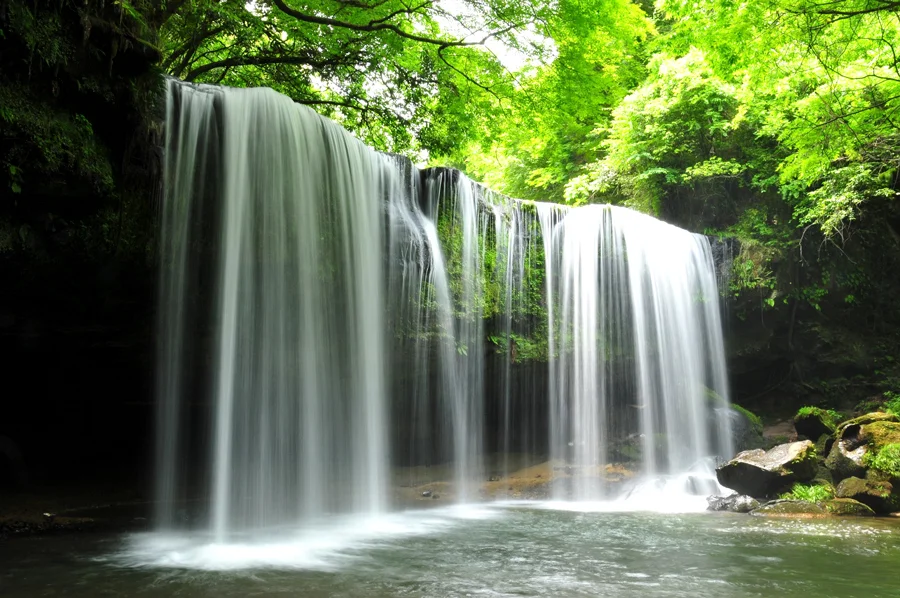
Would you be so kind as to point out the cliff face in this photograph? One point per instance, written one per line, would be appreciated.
(79, 168)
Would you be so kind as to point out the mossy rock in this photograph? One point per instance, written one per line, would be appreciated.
(813, 422)
(869, 418)
(847, 507)
(880, 433)
(877, 494)
(790, 508)
(746, 426)
(824, 444)
(760, 473)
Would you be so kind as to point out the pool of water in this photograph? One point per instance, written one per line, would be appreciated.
(489, 550)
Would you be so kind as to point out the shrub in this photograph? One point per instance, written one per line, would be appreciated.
(828, 415)
(810, 492)
(892, 404)
(886, 460)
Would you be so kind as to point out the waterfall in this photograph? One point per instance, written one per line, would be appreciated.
(330, 317)
(638, 345)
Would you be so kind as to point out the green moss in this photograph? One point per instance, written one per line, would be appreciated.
(869, 418)
(879, 434)
(847, 507)
(809, 492)
(754, 419)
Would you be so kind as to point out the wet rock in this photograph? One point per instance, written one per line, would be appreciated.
(877, 494)
(736, 503)
(813, 423)
(845, 459)
(847, 507)
(790, 508)
(762, 473)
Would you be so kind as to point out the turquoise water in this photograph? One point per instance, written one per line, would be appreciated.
(501, 550)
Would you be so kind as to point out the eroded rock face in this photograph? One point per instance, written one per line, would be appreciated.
(762, 473)
(845, 459)
(736, 503)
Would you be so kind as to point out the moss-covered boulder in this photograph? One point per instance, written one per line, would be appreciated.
(813, 422)
(869, 418)
(877, 494)
(846, 507)
(762, 473)
(879, 434)
(746, 427)
(790, 508)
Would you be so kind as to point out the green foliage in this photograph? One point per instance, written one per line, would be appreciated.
(886, 460)
(810, 492)
(50, 146)
(892, 402)
(827, 415)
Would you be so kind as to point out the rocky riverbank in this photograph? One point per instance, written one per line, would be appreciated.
(837, 467)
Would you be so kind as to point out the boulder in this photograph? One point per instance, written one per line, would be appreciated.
(845, 459)
(736, 503)
(790, 508)
(746, 429)
(868, 418)
(763, 473)
(847, 507)
(877, 494)
(879, 434)
(813, 423)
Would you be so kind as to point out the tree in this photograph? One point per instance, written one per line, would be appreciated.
(404, 75)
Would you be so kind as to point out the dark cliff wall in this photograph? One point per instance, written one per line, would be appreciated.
(79, 166)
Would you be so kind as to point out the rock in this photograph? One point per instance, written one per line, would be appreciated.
(824, 444)
(813, 423)
(869, 418)
(877, 494)
(790, 508)
(880, 433)
(762, 473)
(845, 459)
(736, 503)
(847, 507)
(746, 429)
(426, 494)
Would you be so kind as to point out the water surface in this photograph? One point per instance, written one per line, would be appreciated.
(500, 550)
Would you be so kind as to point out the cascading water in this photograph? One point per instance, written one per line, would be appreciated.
(639, 355)
(328, 313)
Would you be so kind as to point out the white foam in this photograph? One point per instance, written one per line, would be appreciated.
(325, 545)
